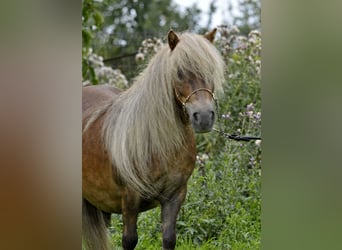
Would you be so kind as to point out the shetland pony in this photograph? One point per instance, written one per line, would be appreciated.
(139, 146)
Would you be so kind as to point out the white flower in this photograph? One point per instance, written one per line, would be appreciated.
(234, 30)
(254, 33)
(227, 116)
(250, 107)
(139, 57)
(205, 157)
(257, 116)
(250, 114)
(86, 83)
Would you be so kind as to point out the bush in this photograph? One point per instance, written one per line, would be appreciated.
(224, 202)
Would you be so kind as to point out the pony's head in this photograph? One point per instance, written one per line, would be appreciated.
(198, 73)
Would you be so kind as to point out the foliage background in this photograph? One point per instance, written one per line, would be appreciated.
(222, 209)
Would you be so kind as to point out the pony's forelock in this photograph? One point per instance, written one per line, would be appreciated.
(197, 55)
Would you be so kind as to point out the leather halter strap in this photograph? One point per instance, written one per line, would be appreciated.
(192, 93)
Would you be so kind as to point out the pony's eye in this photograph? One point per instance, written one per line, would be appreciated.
(180, 75)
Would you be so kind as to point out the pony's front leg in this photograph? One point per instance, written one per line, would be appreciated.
(170, 208)
(130, 209)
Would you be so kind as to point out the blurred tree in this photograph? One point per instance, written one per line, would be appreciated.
(115, 29)
(92, 20)
(125, 19)
(250, 16)
(121, 25)
(212, 10)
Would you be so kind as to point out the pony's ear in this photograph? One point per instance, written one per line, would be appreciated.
(172, 39)
(211, 35)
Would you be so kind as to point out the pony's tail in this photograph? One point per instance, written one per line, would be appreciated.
(94, 228)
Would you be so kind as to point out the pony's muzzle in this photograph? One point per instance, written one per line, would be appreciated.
(202, 120)
(201, 111)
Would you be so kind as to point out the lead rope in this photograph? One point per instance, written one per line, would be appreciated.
(230, 136)
(237, 137)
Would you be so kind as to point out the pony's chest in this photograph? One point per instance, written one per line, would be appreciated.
(174, 178)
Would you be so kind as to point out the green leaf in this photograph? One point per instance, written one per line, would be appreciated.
(86, 37)
(98, 18)
(93, 77)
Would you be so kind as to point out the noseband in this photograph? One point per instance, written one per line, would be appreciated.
(191, 94)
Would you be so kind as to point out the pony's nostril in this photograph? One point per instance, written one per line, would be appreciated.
(212, 115)
(197, 117)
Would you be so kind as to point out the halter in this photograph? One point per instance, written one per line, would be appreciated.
(191, 94)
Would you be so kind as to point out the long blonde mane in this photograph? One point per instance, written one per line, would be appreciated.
(142, 122)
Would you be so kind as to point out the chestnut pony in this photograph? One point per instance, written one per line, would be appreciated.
(139, 146)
